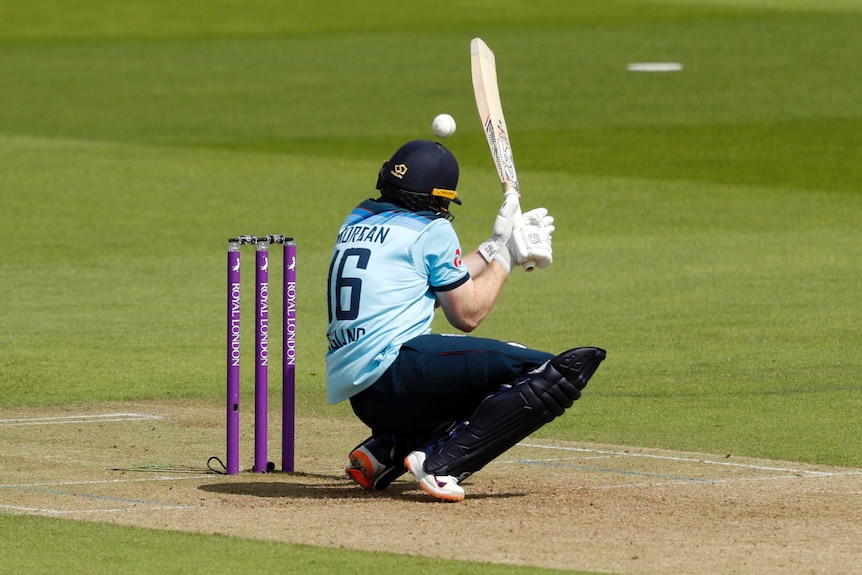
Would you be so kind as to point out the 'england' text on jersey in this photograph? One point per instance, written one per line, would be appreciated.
(374, 234)
(341, 337)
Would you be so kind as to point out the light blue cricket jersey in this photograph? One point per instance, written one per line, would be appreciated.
(386, 265)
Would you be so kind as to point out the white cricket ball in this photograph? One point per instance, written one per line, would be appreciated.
(443, 126)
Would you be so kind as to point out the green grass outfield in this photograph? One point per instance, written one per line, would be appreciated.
(709, 221)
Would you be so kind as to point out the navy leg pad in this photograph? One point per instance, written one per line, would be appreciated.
(509, 415)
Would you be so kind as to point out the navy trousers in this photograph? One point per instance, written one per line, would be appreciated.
(439, 380)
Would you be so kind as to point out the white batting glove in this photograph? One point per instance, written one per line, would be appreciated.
(533, 241)
(494, 247)
(539, 217)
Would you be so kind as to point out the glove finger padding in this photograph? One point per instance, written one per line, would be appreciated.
(519, 248)
(533, 242)
(538, 217)
(534, 216)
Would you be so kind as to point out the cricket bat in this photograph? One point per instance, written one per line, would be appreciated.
(487, 92)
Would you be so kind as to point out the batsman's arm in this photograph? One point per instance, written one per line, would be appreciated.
(470, 303)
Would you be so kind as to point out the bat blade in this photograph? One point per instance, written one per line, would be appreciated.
(487, 92)
(483, 65)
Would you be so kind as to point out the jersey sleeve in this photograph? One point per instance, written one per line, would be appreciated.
(439, 254)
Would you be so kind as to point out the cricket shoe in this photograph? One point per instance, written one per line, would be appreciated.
(443, 487)
(372, 465)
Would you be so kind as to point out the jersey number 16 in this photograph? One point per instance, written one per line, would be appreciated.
(344, 288)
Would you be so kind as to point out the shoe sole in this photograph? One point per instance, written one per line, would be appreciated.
(360, 463)
(455, 497)
(429, 489)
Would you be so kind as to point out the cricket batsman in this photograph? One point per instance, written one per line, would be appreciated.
(439, 406)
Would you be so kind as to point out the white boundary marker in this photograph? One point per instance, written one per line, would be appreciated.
(655, 67)
(78, 419)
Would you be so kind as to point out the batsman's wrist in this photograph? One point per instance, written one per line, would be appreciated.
(504, 259)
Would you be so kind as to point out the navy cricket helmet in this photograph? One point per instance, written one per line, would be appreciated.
(423, 175)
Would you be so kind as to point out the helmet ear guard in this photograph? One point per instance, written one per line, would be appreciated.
(439, 202)
(381, 181)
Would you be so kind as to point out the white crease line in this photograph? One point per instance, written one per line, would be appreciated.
(75, 512)
(100, 481)
(667, 483)
(134, 504)
(692, 460)
(78, 419)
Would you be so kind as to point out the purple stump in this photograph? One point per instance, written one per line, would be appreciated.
(261, 367)
(233, 355)
(288, 376)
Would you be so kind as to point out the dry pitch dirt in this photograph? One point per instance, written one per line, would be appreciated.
(551, 504)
